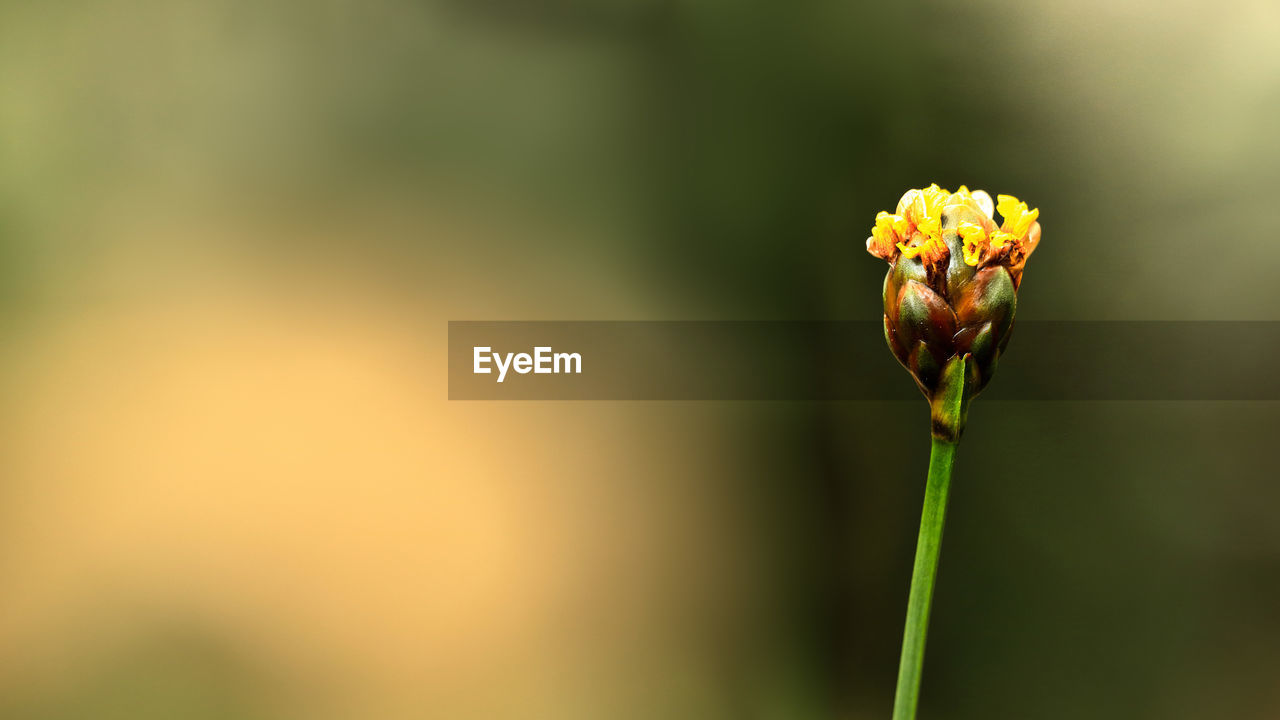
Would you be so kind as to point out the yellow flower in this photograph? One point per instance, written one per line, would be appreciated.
(889, 229)
(974, 238)
(1017, 219)
(920, 229)
(951, 291)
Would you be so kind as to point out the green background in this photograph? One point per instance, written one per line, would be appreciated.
(232, 232)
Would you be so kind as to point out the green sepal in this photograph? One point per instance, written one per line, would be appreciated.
(891, 339)
(924, 316)
(949, 406)
(903, 270)
(1004, 341)
(991, 297)
(924, 368)
(983, 347)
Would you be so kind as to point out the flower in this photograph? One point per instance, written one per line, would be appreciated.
(951, 290)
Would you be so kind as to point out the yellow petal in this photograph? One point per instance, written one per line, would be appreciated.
(931, 227)
(1008, 205)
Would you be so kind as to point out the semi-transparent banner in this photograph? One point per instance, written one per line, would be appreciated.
(848, 360)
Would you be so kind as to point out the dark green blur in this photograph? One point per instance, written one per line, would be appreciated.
(682, 159)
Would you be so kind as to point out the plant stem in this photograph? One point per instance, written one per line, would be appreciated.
(936, 490)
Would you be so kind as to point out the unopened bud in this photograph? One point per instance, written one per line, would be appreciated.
(951, 291)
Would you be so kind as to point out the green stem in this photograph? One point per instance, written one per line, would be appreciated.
(922, 577)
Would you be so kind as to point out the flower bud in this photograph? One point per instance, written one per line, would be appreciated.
(951, 291)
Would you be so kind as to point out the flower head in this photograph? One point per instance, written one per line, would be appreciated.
(951, 290)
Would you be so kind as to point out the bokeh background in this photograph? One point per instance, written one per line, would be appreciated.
(231, 235)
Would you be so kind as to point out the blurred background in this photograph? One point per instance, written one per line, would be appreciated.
(231, 235)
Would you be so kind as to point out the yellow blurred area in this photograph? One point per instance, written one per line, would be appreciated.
(274, 468)
(231, 484)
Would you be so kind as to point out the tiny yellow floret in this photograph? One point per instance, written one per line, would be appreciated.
(931, 227)
(974, 237)
(1017, 218)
